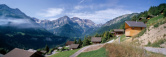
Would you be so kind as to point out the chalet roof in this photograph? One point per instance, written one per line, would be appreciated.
(96, 39)
(43, 51)
(135, 24)
(18, 53)
(60, 47)
(112, 32)
(162, 11)
(142, 18)
(118, 30)
(150, 16)
(74, 46)
(69, 42)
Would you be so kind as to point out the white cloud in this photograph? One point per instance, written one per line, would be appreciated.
(81, 1)
(51, 12)
(78, 7)
(51, 19)
(100, 16)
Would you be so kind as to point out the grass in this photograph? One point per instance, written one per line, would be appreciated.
(154, 20)
(156, 43)
(127, 50)
(97, 53)
(140, 34)
(65, 53)
(122, 38)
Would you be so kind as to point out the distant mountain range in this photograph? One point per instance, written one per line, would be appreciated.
(21, 31)
(69, 27)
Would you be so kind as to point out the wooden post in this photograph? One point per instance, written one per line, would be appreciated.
(119, 40)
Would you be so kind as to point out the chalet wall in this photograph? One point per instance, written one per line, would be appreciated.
(132, 31)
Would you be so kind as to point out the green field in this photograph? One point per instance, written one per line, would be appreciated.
(97, 53)
(65, 53)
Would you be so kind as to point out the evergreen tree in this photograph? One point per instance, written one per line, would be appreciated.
(47, 48)
(84, 42)
(97, 35)
(164, 13)
(75, 41)
(80, 43)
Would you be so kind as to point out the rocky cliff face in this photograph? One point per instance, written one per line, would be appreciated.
(73, 27)
(118, 19)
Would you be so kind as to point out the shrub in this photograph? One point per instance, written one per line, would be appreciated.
(149, 44)
(164, 26)
(140, 34)
(157, 43)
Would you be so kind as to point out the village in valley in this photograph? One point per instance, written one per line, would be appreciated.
(132, 28)
(143, 35)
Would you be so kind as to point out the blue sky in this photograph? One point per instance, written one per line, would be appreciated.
(99, 11)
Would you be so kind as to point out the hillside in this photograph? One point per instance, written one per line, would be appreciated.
(155, 32)
(114, 23)
(21, 31)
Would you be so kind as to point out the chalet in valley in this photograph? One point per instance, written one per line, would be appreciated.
(162, 11)
(69, 43)
(96, 40)
(22, 53)
(132, 28)
(141, 18)
(149, 17)
(74, 46)
(118, 32)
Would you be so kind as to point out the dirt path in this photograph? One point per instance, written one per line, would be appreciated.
(85, 49)
(156, 50)
(54, 52)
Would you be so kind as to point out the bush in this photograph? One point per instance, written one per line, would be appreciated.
(164, 26)
(156, 43)
(140, 34)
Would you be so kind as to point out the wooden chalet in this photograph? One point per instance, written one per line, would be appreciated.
(132, 28)
(162, 11)
(69, 43)
(74, 46)
(96, 40)
(149, 17)
(22, 53)
(142, 18)
(118, 32)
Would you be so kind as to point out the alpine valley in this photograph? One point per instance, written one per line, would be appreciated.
(21, 31)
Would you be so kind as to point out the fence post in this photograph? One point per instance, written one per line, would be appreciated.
(119, 40)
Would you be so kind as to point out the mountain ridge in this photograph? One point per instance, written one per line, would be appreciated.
(78, 26)
(21, 31)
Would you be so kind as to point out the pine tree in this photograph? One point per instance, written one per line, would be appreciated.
(164, 13)
(84, 42)
(80, 42)
(75, 41)
(47, 48)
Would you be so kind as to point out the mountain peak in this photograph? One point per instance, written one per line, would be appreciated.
(76, 18)
(66, 16)
(3, 6)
